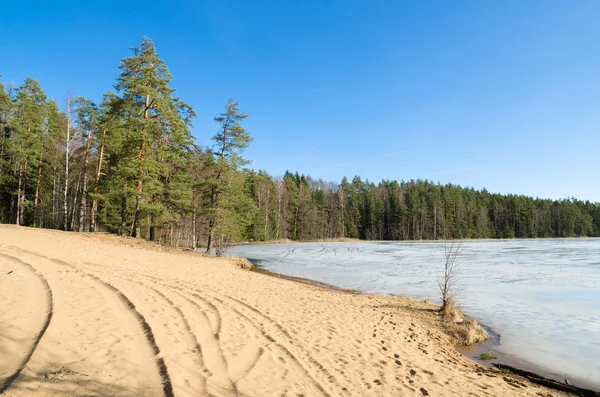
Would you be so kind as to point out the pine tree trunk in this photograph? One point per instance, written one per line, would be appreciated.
(124, 215)
(74, 205)
(83, 205)
(296, 224)
(278, 208)
(194, 237)
(66, 192)
(2, 127)
(211, 222)
(37, 190)
(213, 196)
(267, 215)
(255, 224)
(83, 202)
(98, 173)
(93, 216)
(22, 205)
(209, 244)
(18, 220)
(343, 217)
(54, 201)
(152, 233)
(136, 230)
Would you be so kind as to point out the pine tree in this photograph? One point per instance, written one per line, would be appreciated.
(236, 209)
(28, 143)
(56, 126)
(87, 122)
(157, 127)
(108, 145)
(231, 139)
(230, 142)
(6, 176)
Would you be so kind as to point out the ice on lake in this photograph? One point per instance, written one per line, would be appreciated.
(541, 296)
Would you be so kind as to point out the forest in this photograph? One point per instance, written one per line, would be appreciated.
(130, 165)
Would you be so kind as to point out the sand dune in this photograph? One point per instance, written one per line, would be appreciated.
(84, 315)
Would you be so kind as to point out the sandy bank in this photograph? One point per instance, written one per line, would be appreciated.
(106, 316)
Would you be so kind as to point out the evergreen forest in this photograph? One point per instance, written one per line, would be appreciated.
(129, 165)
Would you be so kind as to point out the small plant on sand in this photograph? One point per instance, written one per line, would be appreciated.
(487, 356)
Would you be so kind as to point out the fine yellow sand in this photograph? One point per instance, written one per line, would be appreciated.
(87, 315)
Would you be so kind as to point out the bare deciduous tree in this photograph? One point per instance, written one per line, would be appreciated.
(448, 284)
(70, 137)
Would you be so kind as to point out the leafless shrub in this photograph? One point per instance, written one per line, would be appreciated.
(465, 331)
(448, 284)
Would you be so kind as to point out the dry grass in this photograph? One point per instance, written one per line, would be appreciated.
(451, 312)
(242, 263)
(464, 331)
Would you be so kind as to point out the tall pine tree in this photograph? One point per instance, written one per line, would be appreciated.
(158, 139)
(230, 141)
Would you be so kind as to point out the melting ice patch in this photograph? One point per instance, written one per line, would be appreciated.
(541, 296)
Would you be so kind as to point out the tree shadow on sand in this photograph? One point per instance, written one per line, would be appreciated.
(56, 379)
(64, 382)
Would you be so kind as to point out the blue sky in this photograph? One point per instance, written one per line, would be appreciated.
(497, 94)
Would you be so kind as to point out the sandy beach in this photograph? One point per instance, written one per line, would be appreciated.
(99, 315)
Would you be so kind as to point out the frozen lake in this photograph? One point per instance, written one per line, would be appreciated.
(541, 296)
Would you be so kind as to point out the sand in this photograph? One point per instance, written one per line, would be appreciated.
(99, 315)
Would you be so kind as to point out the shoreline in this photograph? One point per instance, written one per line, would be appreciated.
(176, 320)
(472, 352)
(356, 240)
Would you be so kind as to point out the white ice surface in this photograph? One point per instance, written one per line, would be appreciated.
(541, 296)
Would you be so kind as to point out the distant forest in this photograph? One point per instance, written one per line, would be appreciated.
(129, 165)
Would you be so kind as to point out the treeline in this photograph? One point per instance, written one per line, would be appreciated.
(301, 208)
(129, 165)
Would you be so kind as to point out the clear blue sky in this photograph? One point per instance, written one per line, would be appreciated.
(497, 94)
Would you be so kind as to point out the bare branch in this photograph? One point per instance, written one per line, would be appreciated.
(449, 284)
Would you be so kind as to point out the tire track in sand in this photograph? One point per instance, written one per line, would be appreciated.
(38, 337)
(214, 367)
(258, 325)
(202, 299)
(159, 361)
(249, 314)
(288, 338)
(147, 330)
